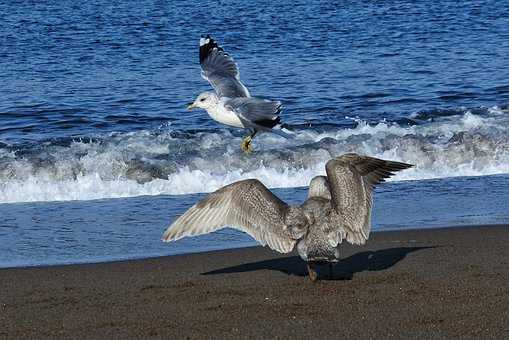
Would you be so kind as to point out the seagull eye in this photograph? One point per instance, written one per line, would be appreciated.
(202, 100)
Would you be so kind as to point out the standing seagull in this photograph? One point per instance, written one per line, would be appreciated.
(232, 104)
(338, 207)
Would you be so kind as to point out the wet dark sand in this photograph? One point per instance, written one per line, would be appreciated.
(427, 283)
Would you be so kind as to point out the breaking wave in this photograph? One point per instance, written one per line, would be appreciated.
(466, 143)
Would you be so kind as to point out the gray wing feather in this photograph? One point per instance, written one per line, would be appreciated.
(245, 205)
(352, 178)
(220, 70)
(254, 109)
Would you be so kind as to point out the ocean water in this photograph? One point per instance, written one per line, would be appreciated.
(98, 154)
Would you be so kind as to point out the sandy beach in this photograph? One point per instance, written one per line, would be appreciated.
(436, 283)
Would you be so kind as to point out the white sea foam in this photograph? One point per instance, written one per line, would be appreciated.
(146, 163)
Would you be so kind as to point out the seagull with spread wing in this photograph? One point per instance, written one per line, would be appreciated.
(232, 104)
(338, 208)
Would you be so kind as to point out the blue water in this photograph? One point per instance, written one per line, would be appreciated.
(92, 108)
(114, 229)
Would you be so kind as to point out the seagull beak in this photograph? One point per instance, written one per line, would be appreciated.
(190, 106)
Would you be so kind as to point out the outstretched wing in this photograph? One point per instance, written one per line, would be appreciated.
(352, 179)
(219, 69)
(256, 112)
(245, 205)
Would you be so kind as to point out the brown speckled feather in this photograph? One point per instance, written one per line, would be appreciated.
(245, 205)
(351, 179)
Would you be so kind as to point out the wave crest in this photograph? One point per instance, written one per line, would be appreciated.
(168, 162)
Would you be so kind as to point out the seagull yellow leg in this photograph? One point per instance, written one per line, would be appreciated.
(246, 144)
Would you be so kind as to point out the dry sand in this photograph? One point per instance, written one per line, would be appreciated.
(438, 283)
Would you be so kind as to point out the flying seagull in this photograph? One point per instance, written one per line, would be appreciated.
(232, 104)
(338, 207)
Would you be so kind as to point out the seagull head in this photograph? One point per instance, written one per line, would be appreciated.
(205, 100)
(319, 187)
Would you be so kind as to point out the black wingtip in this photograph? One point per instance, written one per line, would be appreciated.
(268, 123)
(397, 166)
(207, 45)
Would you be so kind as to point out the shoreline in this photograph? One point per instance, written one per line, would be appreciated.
(434, 283)
(130, 259)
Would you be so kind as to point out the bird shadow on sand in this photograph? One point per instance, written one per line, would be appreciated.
(345, 269)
